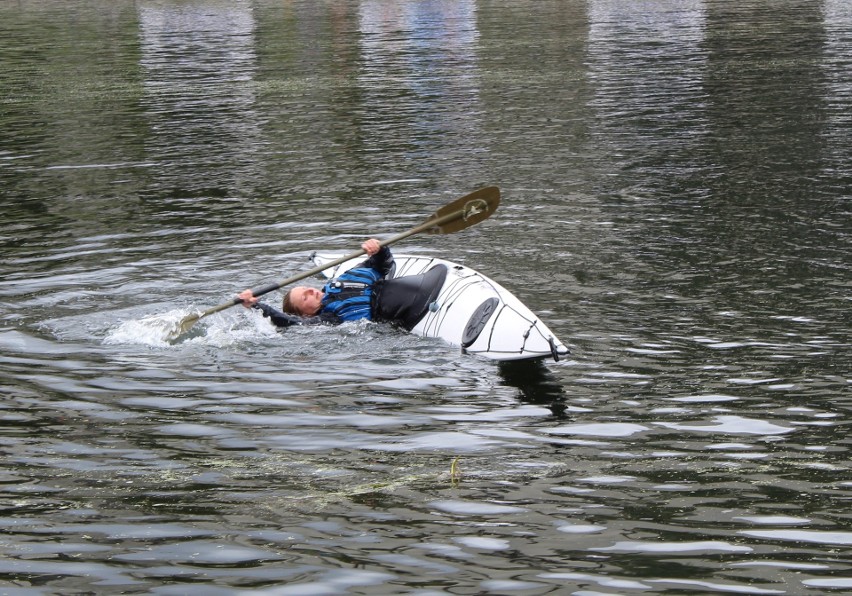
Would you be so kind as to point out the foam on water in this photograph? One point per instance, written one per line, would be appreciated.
(153, 330)
(156, 330)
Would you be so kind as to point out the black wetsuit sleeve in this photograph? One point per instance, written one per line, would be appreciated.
(281, 319)
(382, 261)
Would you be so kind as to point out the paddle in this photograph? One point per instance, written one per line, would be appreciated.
(453, 217)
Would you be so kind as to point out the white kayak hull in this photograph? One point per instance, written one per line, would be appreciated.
(471, 311)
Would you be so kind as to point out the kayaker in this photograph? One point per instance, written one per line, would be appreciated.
(362, 292)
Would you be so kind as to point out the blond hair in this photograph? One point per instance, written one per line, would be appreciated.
(287, 304)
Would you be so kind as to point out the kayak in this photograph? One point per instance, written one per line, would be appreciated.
(466, 309)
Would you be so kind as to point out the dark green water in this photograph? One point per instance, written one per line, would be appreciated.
(676, 206)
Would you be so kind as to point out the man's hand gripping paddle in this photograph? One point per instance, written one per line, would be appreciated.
(453, 217)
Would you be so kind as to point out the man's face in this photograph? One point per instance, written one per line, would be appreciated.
(306, 300)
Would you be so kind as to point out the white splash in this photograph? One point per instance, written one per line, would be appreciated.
(220, 330)
(152, 330)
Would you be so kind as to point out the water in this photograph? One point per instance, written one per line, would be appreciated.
(676, 184)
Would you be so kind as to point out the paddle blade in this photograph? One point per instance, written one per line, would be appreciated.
(471, 209)
(182, 327)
